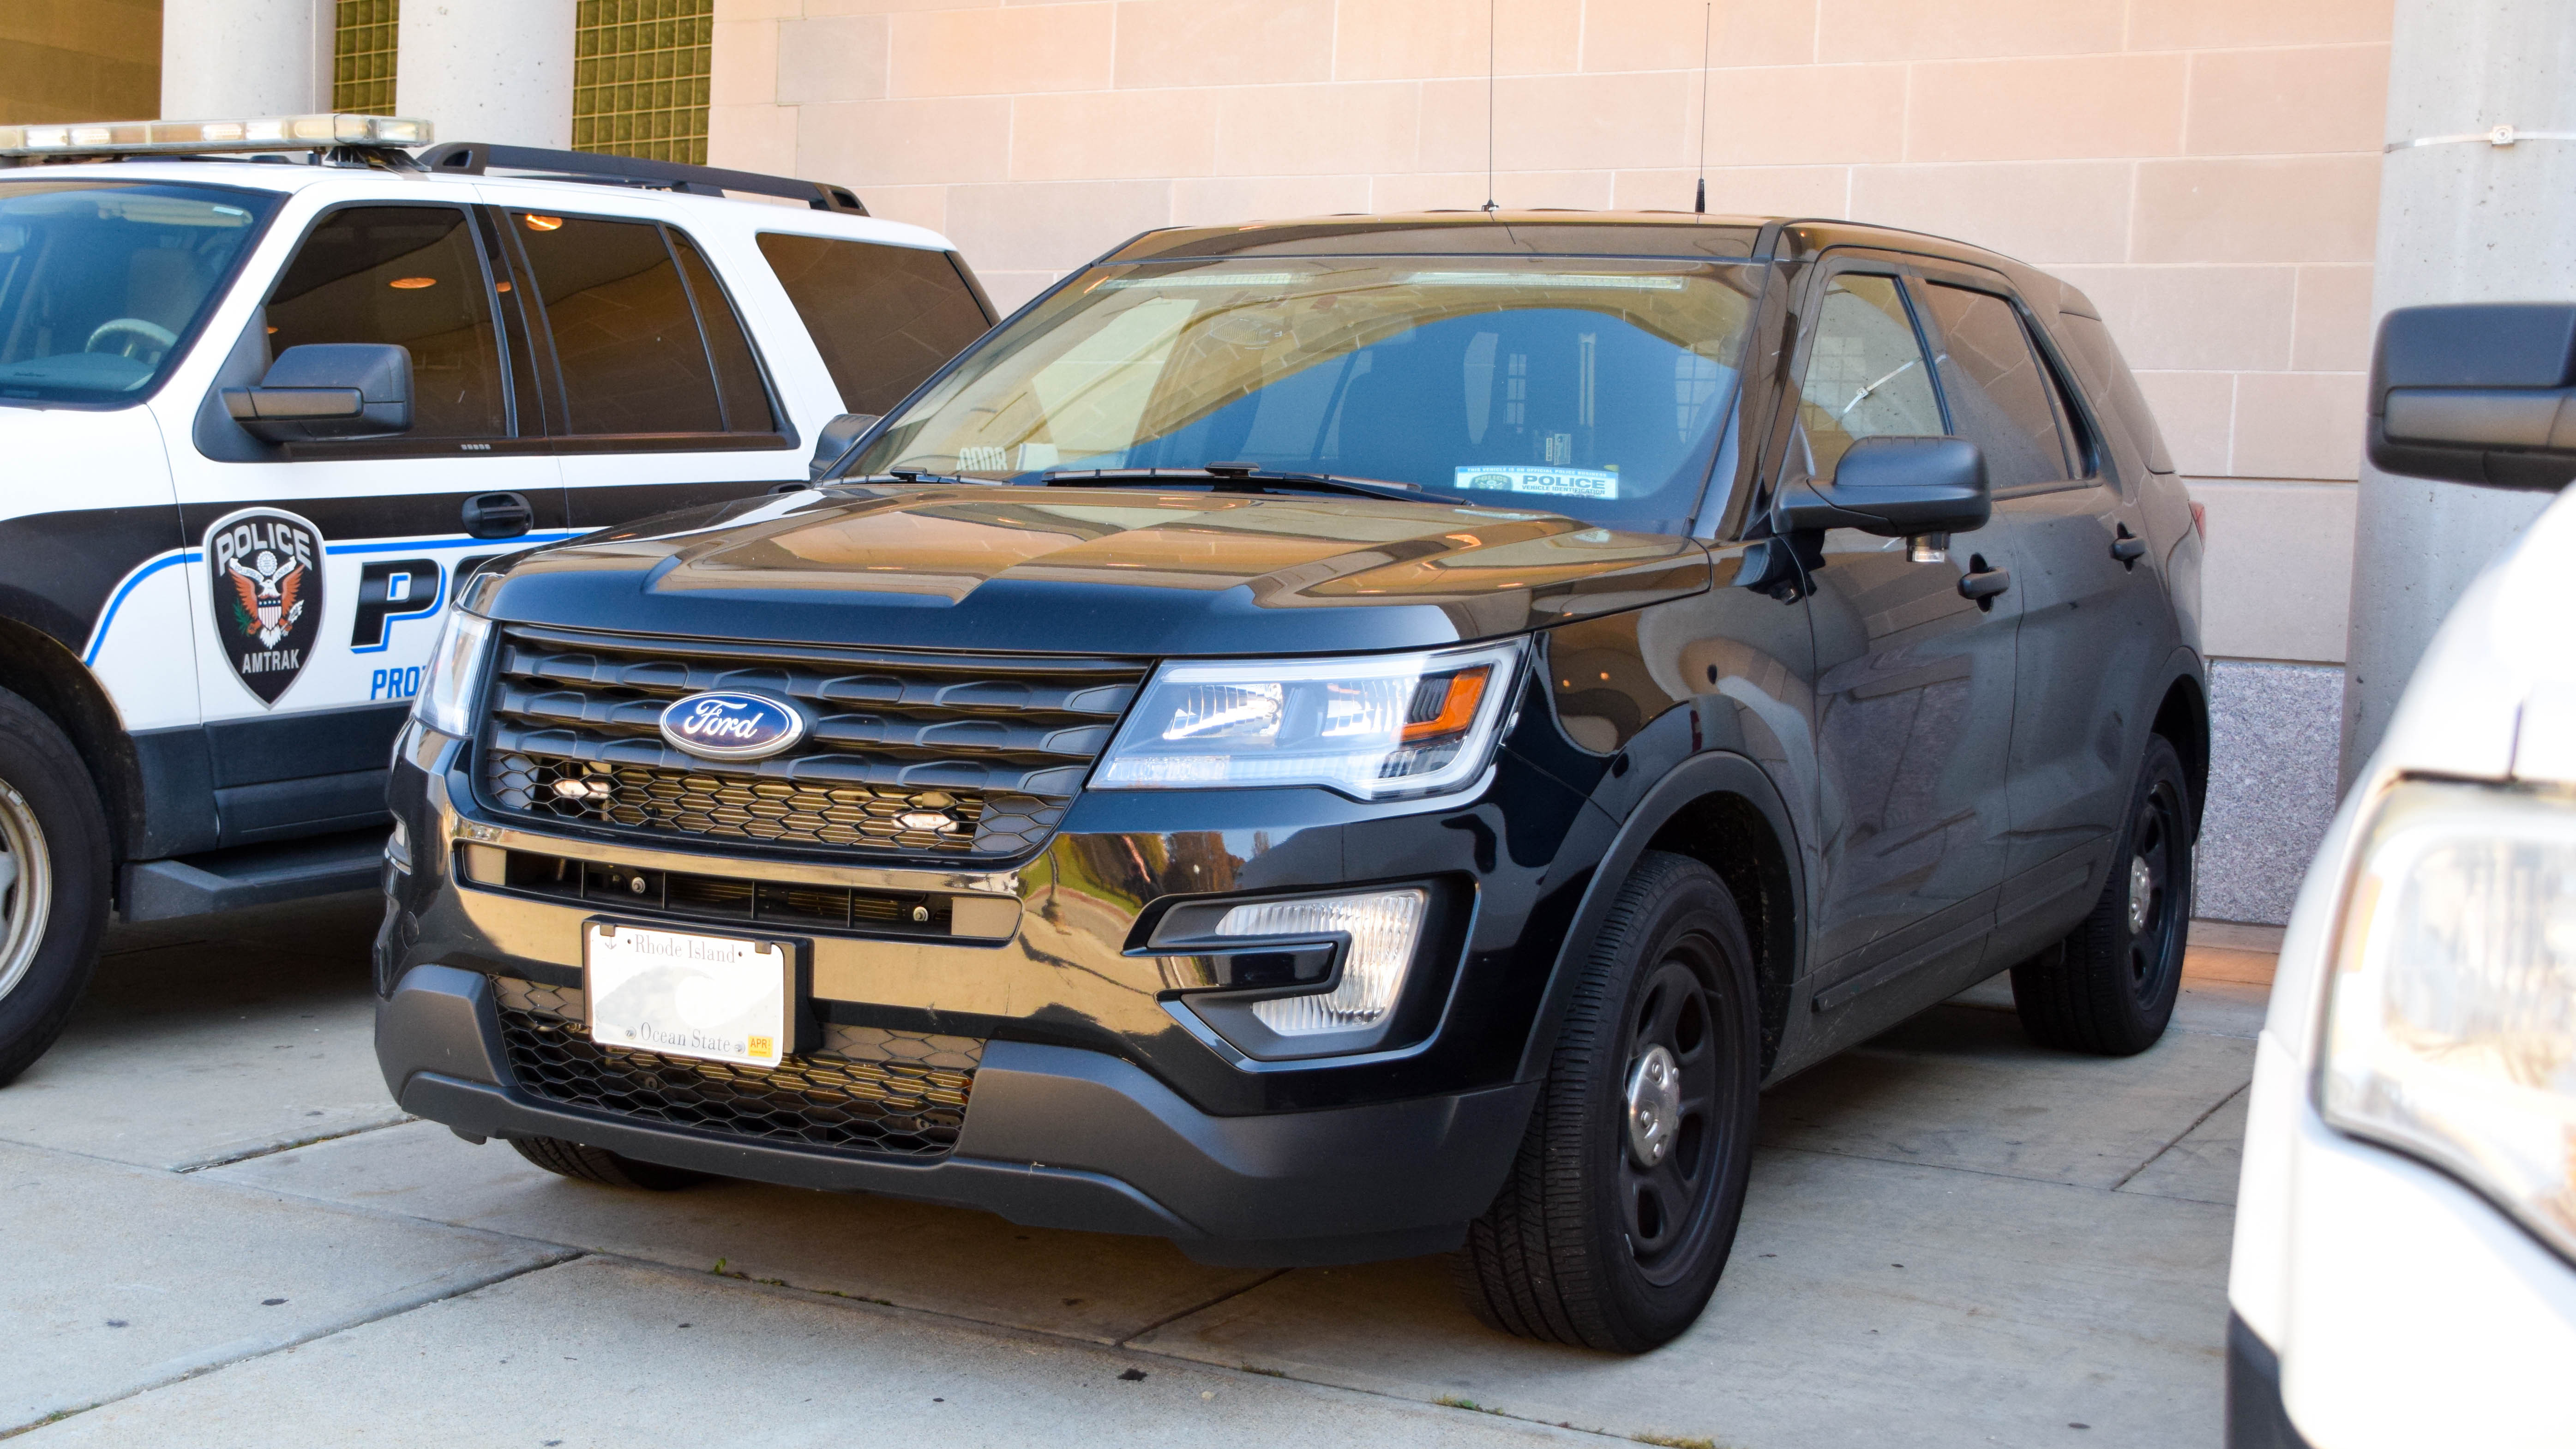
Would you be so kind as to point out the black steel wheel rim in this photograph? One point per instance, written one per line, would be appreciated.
(1667, 1208)
(2159, 876)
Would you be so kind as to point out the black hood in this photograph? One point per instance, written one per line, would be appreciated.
(1095, 571)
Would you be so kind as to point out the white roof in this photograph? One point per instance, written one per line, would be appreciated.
(295, 176)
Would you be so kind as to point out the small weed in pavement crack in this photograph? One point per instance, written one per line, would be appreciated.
(1452, 1401)
(1674, 1441)
(1254, 1368)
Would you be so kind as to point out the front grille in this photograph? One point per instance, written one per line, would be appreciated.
(866, 1088)
(909, 753)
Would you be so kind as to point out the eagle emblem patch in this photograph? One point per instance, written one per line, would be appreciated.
(266, 567)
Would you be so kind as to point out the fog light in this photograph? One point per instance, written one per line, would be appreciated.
(1382, 928)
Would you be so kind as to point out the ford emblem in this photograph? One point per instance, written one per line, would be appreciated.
(729, 724)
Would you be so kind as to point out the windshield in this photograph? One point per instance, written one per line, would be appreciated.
(101, 280)
(1586, 386)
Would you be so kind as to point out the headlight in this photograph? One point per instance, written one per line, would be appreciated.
(1370, 726)
(446, 699)
(2451, 1022)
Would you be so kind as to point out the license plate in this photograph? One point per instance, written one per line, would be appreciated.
(686, 995)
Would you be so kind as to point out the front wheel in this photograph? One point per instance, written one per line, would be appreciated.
(599, 1165)
(1622, 1206)
(53, 882)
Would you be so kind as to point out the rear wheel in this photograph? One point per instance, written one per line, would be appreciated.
(53, 882)
(599, 1165)
(2109, 987)
(1622, 1206)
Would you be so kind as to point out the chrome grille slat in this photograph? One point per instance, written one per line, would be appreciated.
(998, 743)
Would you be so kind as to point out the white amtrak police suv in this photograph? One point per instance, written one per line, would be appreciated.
(270, 389)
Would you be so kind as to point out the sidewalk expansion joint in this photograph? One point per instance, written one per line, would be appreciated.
(223, 1358)
(2179, 1136)
(1273, 1276)
(247, 1154)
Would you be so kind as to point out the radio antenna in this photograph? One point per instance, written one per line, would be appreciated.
(1489, 107)
(1707, 13)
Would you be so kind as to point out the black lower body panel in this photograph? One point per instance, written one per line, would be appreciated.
(1053, 1137)
(2256, 1418)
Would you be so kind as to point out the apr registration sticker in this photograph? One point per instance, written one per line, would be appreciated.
(1557, 482)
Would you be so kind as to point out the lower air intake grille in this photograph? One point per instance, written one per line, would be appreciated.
(867, 1089)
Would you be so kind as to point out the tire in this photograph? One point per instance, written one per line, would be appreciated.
(599, 1165)
(2109, 987)
(55, 876)
(1558, 1255)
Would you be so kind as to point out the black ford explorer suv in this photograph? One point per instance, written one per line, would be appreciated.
(1334, 740)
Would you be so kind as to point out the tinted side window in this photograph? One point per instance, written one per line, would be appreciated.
(2106, 376)
(625, 341)
(738, 386)
(883, 317)
(1998, 395)
(408, 275)
(1866, 376)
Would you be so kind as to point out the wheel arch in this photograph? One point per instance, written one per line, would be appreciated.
(35, 666)
(2182, 717)
(1722, 810)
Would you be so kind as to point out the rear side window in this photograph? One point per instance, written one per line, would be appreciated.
(1999, 396)
(409, 275)
(617, 298)
(1865, 376)
(2106, 376)
(884, 318)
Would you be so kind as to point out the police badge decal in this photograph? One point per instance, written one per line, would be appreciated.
(266, 567)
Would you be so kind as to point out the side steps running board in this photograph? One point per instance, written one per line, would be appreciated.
(252, 875)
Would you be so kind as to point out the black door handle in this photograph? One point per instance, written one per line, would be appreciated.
(498, 515)
(2128, 548)
(1981, 583)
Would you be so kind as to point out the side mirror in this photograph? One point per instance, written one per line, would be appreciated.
(1895, 488)
(836, 439)
(326, 390)
(2476, 393)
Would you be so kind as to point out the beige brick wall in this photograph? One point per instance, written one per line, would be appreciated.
(2206, 169)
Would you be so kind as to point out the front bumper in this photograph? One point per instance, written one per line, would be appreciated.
(1057, 1137)
(2400, 1308)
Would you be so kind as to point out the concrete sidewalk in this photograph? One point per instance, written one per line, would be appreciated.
(222, 1233)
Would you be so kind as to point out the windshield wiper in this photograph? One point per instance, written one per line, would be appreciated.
(1240, 478)
(899, 475)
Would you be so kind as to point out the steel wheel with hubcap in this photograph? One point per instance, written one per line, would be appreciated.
(1622, 1206)
(2109, 987)
(53, 881)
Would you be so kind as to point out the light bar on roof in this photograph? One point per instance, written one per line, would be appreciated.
(266, 133)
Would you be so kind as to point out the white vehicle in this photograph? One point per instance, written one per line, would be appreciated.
(2405, 1267)
(270, 389)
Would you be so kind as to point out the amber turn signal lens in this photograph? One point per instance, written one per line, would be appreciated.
(1461, 692)
(543, 223)
(412, 284)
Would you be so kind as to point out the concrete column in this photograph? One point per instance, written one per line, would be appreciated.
(488, 70)
(2458, 222)
(226, 58)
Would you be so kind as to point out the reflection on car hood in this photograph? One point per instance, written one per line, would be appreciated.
(1096, 571)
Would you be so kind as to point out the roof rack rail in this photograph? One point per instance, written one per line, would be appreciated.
(473, 158)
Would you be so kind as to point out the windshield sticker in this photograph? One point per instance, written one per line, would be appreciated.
(1200, 279)
(1592, 281)
(1558, 482)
